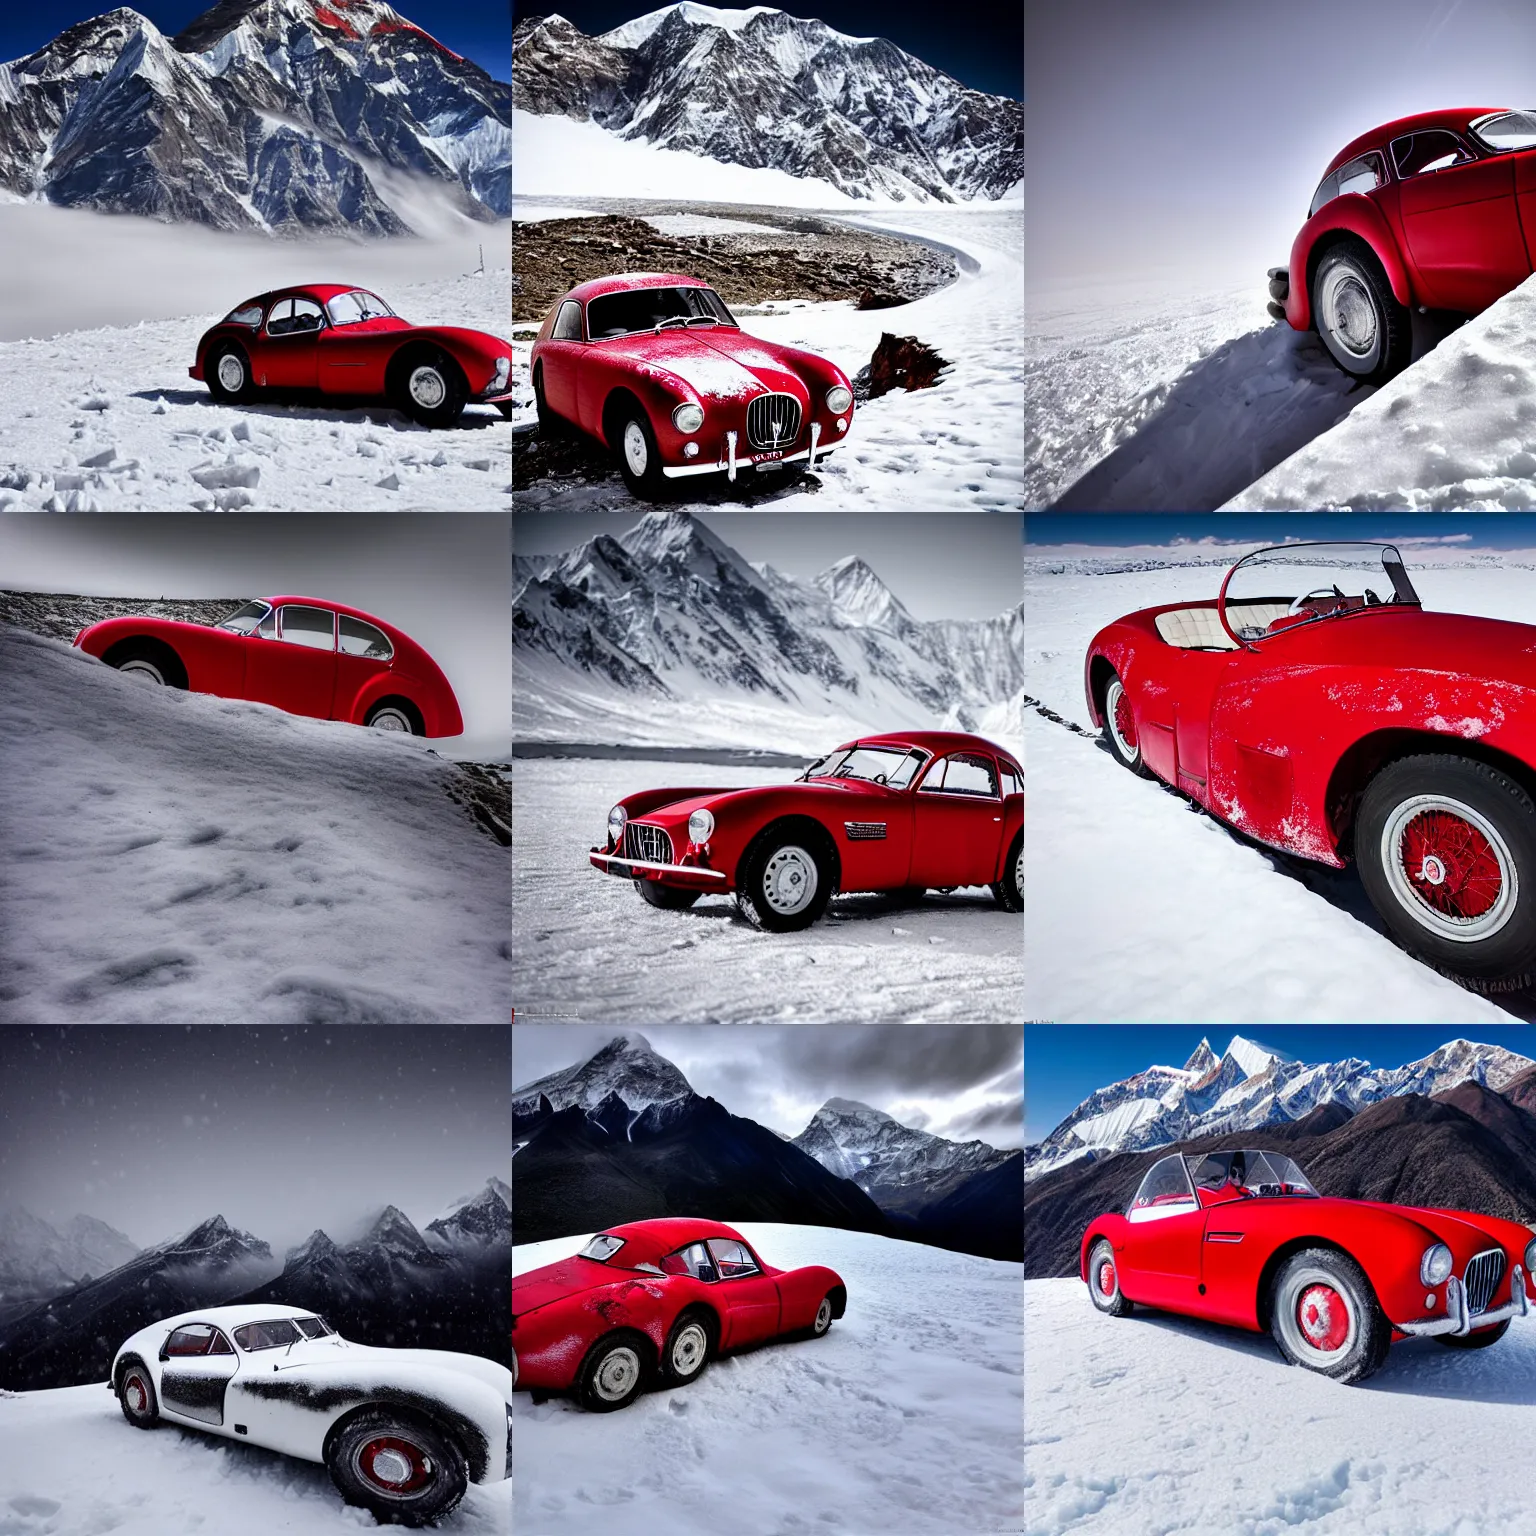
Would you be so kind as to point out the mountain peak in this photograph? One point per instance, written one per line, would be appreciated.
(851, 1107)
(1201, 1059)
(626, 1069)
(316, 1246)
(857, 593)
(1252, 1057)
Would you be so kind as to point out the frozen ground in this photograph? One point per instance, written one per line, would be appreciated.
(73, 1467)
(1141, 908)
(1152, 1424)
(905, 1418)
(586, 946)
(168, 857)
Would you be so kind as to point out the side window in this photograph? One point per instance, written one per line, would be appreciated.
(1012, 784)
(1363, 174)
(307, 626)
(194, 1339)
(693, 1260)
(280, 318)
(731, 1258)
(220, 1345)
(362, 639)
(962, 774)
(1436, 149)
(267, 629)
(249, 315)
(568, 322)
(307, 315)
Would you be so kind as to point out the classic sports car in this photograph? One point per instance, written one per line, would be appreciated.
(1243, 1238)
(655, 366)
(403, 1431)
(302, 654)
(1316, 707)
(903, 812)
(1433, 211)
(342, 340)
(656, 1300)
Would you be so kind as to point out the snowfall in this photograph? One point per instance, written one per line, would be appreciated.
(1153, 1423)
(587, 947)
(171, 857)
(906, 1418)
(74, 1467)
(1142, 908)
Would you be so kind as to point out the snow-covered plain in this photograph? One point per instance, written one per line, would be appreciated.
(74, 1467)
(170, 857)
(1157, 1424)
(906, 1418)
(587, 946)
(1141, 908)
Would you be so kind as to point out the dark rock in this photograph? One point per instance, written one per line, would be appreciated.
(869, 299)
(903, 362)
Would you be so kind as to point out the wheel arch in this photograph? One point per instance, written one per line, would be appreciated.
(839, 1296)
(650, 1351)
(120, 1369)
(796, 821)
(409, 352)
(1101, 1228)
(153, 648)
(465, 1434)
(619, 398)
(1264, 1291)
(1100, 670)
(412, 709)
(1361, 228)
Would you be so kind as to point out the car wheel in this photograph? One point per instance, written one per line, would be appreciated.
(390, 717)
(403, 1470)
(1009, 891)
(550, 425)
(140, 1406)
(612, 1374)
(1119, 729)
(670, 898)
(1324, 1316)
(149, 661)
(823, 1319)
(432, 389)
(1104, 1280)
(1366, 331)
(1447, 853)
(228, 374)
(639, 458)
(785, 883)
(688, 1349)
(1479, 1340)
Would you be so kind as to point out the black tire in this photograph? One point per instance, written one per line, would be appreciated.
(786, 878)
(613, 1374)
(1325, 1316)
(1104, 1281)
(1447, 853)
(136, 1394)
(689, 1347)
(1479, 1340)
(390, 715)
(152, 660)
(639, 458)
(1009, 891)
(402, 1469)
(550, 425)
(669, 898)
(1120, 730)
(825, 1312)
(226, 388)
(1366, 331)
(430, 388)
(505, 407)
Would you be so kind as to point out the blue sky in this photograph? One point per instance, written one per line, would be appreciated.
(1476, 529)
(1064, 1063)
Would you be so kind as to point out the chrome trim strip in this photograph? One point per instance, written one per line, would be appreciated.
(603, 860)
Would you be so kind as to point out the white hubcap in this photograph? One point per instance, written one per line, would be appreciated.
(391, 720)
(231, 373)
(636, 454)
(823, 1316)
(688, 1350)
(428, 388)
(789, 881)
(392, 1467)
(618, 1374)
(143, 669)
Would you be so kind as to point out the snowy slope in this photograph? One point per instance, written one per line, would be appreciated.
(903, 1419)
(74, 1467)
(173, 857)
(1153, 1423)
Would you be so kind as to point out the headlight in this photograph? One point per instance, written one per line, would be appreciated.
(503, 373)
(839, 399)
(688, 417)
(701, 827)
(616, 819)
(1436, 1264)
(1530, 1258)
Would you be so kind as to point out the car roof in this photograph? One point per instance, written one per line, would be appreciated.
(933, 741)
(626, 282)
(651, 1240)
(321, 292)
(325, 602)
(1454, 118)
(233, 1317)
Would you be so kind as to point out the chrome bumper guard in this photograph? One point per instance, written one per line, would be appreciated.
(603, 860)
(731, 465)
(1458, 1321)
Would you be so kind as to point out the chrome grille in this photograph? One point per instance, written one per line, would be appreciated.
(1484, 1272)
(648, 844)
(773, 421)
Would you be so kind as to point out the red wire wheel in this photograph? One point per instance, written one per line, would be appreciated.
(134, 1392)
(1106, 1278)
(1125, 721)
(393, 1465)
(1322, 1314)
(1450, 865)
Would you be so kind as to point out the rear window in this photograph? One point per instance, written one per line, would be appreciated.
(247, 314)
(360, 639)
(1362, 174)
(602, 1248)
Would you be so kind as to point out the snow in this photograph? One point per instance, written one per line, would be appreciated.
(1109, 1128)
(686, 225)
(587, 945)
(1252, 1057)
(176, 858)
(1157, 1423)
(904, 1418)
(632, 33)
(74, 1467)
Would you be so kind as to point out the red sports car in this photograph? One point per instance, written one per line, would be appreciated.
(1243, 1238)
(340, 340)
(902, 812)
(656, 1300)
(654, 366)
(1436, 211)
(1315, 706)
(302, 654)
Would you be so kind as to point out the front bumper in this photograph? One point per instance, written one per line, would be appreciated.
(693, 876)
(1457, 1319)
(730, 463)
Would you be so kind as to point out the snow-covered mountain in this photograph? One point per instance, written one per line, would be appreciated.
(482, 1219)
(1249, 1086)
(626, 1066)
(284, 116)
(761, 88)
(38, 1259)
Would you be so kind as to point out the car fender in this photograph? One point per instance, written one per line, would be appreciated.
(1353, 214)
(800, 1294)
(213, 658)
(553, 1340)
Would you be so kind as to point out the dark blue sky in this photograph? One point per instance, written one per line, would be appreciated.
(479, 29)
(1485, 530)
(980, 43)
(1064, 1063)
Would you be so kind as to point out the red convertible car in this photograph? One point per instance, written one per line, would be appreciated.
(904, 812)
(1434, 211)
(656, 1300)
(654, 366)
(1315, 706)
(339, 340)
(1243, 1238)
(301, 654)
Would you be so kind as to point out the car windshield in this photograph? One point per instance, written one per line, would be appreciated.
(654, 309)
(279, 1332)
(243, 621)
(1249, 1172)
(1507, 130)
(355, 307)
(313, 1327)
(1274, 590)
(891, 766)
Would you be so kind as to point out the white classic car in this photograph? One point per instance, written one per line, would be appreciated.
(403, 1431)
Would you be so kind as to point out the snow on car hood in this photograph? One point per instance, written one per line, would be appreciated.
(723, 365)
(342, 1357)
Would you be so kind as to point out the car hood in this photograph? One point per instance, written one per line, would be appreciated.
(344, 1359)
(477, 341)
(554, 1282)
(717, 365)
(736, 798)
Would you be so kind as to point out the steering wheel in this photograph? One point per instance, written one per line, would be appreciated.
(1297, 604)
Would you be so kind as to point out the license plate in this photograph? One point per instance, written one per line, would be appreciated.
(769, 457)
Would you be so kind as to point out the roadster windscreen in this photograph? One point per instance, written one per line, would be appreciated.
(649, 309)
(1254, 1172)
(355, 307)
(1273, 590)
(876, 765)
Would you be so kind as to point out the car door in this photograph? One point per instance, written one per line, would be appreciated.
(291, 662)
(1160, 1263)
(363, 652)
(957, 819)
(289, 355)
(559, 361)
(748, 1299)
(1196, 677)
(196, 1365)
